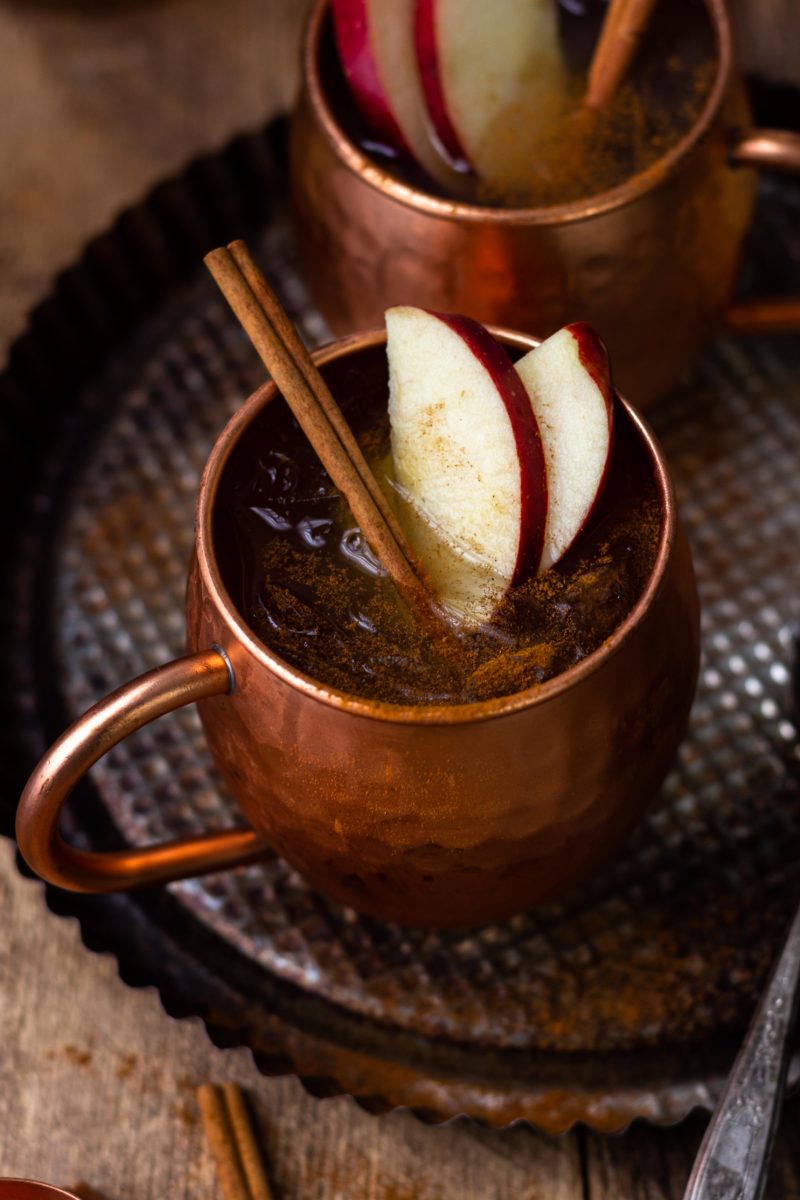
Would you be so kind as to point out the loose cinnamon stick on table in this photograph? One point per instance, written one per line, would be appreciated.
(311, 402)
(249, 1153)
(624, 24)
(240, 1168)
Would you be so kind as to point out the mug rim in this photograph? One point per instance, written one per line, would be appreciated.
(572, 211)
(417, 714)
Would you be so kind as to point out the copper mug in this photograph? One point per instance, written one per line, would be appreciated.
(441, 816)
(652, 263)
(32, 1189)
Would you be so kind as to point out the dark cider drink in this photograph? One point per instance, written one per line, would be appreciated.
(564, 154)
(302, 577)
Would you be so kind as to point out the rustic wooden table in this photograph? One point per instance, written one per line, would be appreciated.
(99, 101)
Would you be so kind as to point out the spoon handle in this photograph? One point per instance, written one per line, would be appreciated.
(733, 1159)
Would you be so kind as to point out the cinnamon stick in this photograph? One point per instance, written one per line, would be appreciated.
(614, 10)
(249, 1153)
(291, 339)
(625, 22)
(312, 406)
(221, 1139)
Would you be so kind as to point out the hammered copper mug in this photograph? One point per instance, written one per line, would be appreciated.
(447, 815)
(652, 263)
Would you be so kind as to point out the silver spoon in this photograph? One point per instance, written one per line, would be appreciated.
(733, 1158)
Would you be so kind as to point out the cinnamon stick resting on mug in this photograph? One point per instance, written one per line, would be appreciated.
(625, 22)
(280, 349)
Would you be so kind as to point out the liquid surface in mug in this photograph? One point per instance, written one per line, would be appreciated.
(302, 577)
(545, 148)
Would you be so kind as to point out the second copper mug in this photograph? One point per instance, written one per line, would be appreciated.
(651, 264)
(442, 816)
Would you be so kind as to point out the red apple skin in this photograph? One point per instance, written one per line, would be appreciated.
(351, 28)
(430, 75)
(533, 473)
(594, 357)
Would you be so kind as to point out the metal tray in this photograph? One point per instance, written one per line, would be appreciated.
(626, 1000)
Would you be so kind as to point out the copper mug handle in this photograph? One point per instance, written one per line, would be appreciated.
(780, 151)
(137, 703)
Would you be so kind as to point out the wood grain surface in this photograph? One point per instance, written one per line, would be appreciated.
(99, 100)
(97, 1083)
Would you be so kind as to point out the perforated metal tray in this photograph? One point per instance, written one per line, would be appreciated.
(624, 1001)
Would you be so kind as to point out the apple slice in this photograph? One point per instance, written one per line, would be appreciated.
(427, 48)
(494, 80)
(376, 47)
(467, 457)
(569, 384)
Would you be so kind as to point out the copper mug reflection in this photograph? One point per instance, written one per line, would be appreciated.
(441, 816)
(652, 263)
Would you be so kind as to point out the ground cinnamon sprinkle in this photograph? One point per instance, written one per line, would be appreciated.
(577, 153)
(308, 585)
(560, 152)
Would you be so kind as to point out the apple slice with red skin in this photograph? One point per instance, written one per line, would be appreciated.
(493, 77)
(468, 458)
(427, 48)
(375, 39)
(568, 381)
